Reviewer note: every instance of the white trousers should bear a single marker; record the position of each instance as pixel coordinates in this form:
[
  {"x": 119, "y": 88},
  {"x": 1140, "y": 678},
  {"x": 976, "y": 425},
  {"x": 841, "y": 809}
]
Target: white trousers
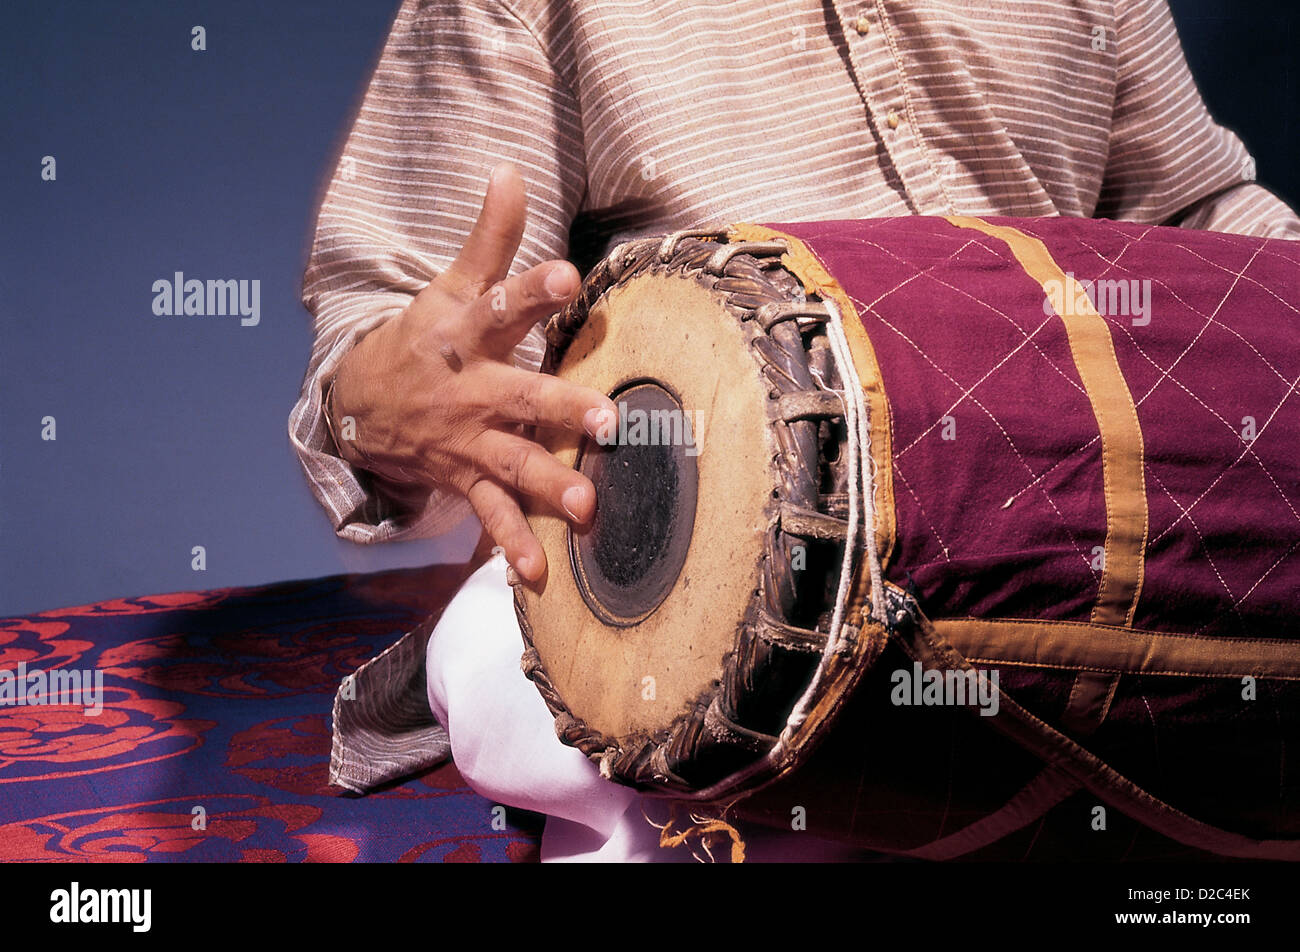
[{"x": 504, "y": 745}]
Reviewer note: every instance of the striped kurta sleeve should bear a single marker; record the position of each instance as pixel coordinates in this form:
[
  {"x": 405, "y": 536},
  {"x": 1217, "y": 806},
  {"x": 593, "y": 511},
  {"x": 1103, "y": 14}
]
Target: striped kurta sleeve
[
  {"x": 459, "y": 87},
  {"x": 1169, "y": 161}
]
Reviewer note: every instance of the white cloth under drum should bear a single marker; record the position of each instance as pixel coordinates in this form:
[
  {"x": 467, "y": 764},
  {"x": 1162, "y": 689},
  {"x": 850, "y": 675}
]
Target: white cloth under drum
[{"x": 504, "y": 745}]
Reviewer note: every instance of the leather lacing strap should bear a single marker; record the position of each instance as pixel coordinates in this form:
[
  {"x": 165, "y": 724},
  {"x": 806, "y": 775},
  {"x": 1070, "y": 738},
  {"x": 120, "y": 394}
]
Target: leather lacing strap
[
  {"x": 725, "y": 729},
  {"x": 812, "y": 524},
  {"x": 769, "y": 315},
  {"x": 807, "y": 405},
  {"x": 779, "y": 634}
]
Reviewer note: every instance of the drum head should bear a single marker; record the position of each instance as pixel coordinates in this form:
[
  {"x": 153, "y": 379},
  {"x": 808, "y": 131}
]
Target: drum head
[{"x": 636, "y": 613}]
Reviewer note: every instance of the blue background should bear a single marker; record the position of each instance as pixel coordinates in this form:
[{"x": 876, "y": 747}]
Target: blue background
[{"x": 172, "y": 431}]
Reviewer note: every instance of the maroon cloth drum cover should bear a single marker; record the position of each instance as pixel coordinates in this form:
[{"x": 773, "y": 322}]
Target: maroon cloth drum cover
[{"x": 1083, "y": 442}]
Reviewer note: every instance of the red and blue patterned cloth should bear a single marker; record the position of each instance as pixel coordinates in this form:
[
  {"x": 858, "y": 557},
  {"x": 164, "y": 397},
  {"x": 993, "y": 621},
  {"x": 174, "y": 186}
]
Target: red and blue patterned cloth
[{"x": 214, "y": 739}]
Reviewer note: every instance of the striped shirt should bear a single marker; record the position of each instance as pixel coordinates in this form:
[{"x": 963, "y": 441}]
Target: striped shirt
[{"x": 630, "y": 117}]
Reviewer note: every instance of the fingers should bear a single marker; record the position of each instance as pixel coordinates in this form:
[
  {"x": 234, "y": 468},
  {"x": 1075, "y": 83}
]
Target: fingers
[
  {"x": 511, "y": 462},
  {"x": 501, "y": 317},
  {"x": 505, "y": 523},
  {"x": 520, "y": 464},
  {"x": 518, "y": 396},
  {"x": 490, "y": 248}
]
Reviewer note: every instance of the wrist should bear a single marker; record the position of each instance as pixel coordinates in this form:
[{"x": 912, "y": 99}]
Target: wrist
[
  {"x": 331, "y": 416},
  {"x": 343, "y": 431}
]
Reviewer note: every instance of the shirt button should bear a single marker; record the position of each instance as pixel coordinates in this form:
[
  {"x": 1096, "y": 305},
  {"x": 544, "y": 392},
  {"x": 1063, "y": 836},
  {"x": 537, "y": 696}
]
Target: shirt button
[
  {"x": 893, "y": 119},
  {"x": 862, "y": 25}
]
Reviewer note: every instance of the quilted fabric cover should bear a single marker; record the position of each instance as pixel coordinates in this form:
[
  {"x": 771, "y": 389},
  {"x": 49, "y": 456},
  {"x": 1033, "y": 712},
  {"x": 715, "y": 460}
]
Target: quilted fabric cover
[{"x": 1002, "y": 517}]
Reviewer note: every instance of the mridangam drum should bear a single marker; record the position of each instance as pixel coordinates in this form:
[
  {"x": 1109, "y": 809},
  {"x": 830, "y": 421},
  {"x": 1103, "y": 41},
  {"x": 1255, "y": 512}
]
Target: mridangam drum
[{"x": 945, "y": 537}]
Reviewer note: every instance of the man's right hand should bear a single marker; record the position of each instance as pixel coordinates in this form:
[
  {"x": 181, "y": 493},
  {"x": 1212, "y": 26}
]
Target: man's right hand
[{"x": 437, "y": 403}]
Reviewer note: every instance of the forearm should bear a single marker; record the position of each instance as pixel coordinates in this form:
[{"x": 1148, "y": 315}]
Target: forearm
[{"x": 1243, "y": 209}]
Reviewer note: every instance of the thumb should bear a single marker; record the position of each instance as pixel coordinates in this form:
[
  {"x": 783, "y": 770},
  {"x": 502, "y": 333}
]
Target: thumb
[{"x": 486, "y": 256}]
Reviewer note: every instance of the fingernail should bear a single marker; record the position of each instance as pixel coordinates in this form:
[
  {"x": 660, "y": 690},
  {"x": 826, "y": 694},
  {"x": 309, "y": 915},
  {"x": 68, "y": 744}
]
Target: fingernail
[
  {"x": 558, "y": 283},
  {"x": 527, "y": 567},
  {"x": 600, "y": 424},
  {"x": 571, "y": 499}
]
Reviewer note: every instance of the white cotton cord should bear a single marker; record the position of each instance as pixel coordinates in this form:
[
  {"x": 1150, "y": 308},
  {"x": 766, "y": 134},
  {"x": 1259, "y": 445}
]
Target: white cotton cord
[
  {"x": 861, "y": 519},
  {"x": 862, "y": 451},
  {"x": 834, "y": 333}
]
